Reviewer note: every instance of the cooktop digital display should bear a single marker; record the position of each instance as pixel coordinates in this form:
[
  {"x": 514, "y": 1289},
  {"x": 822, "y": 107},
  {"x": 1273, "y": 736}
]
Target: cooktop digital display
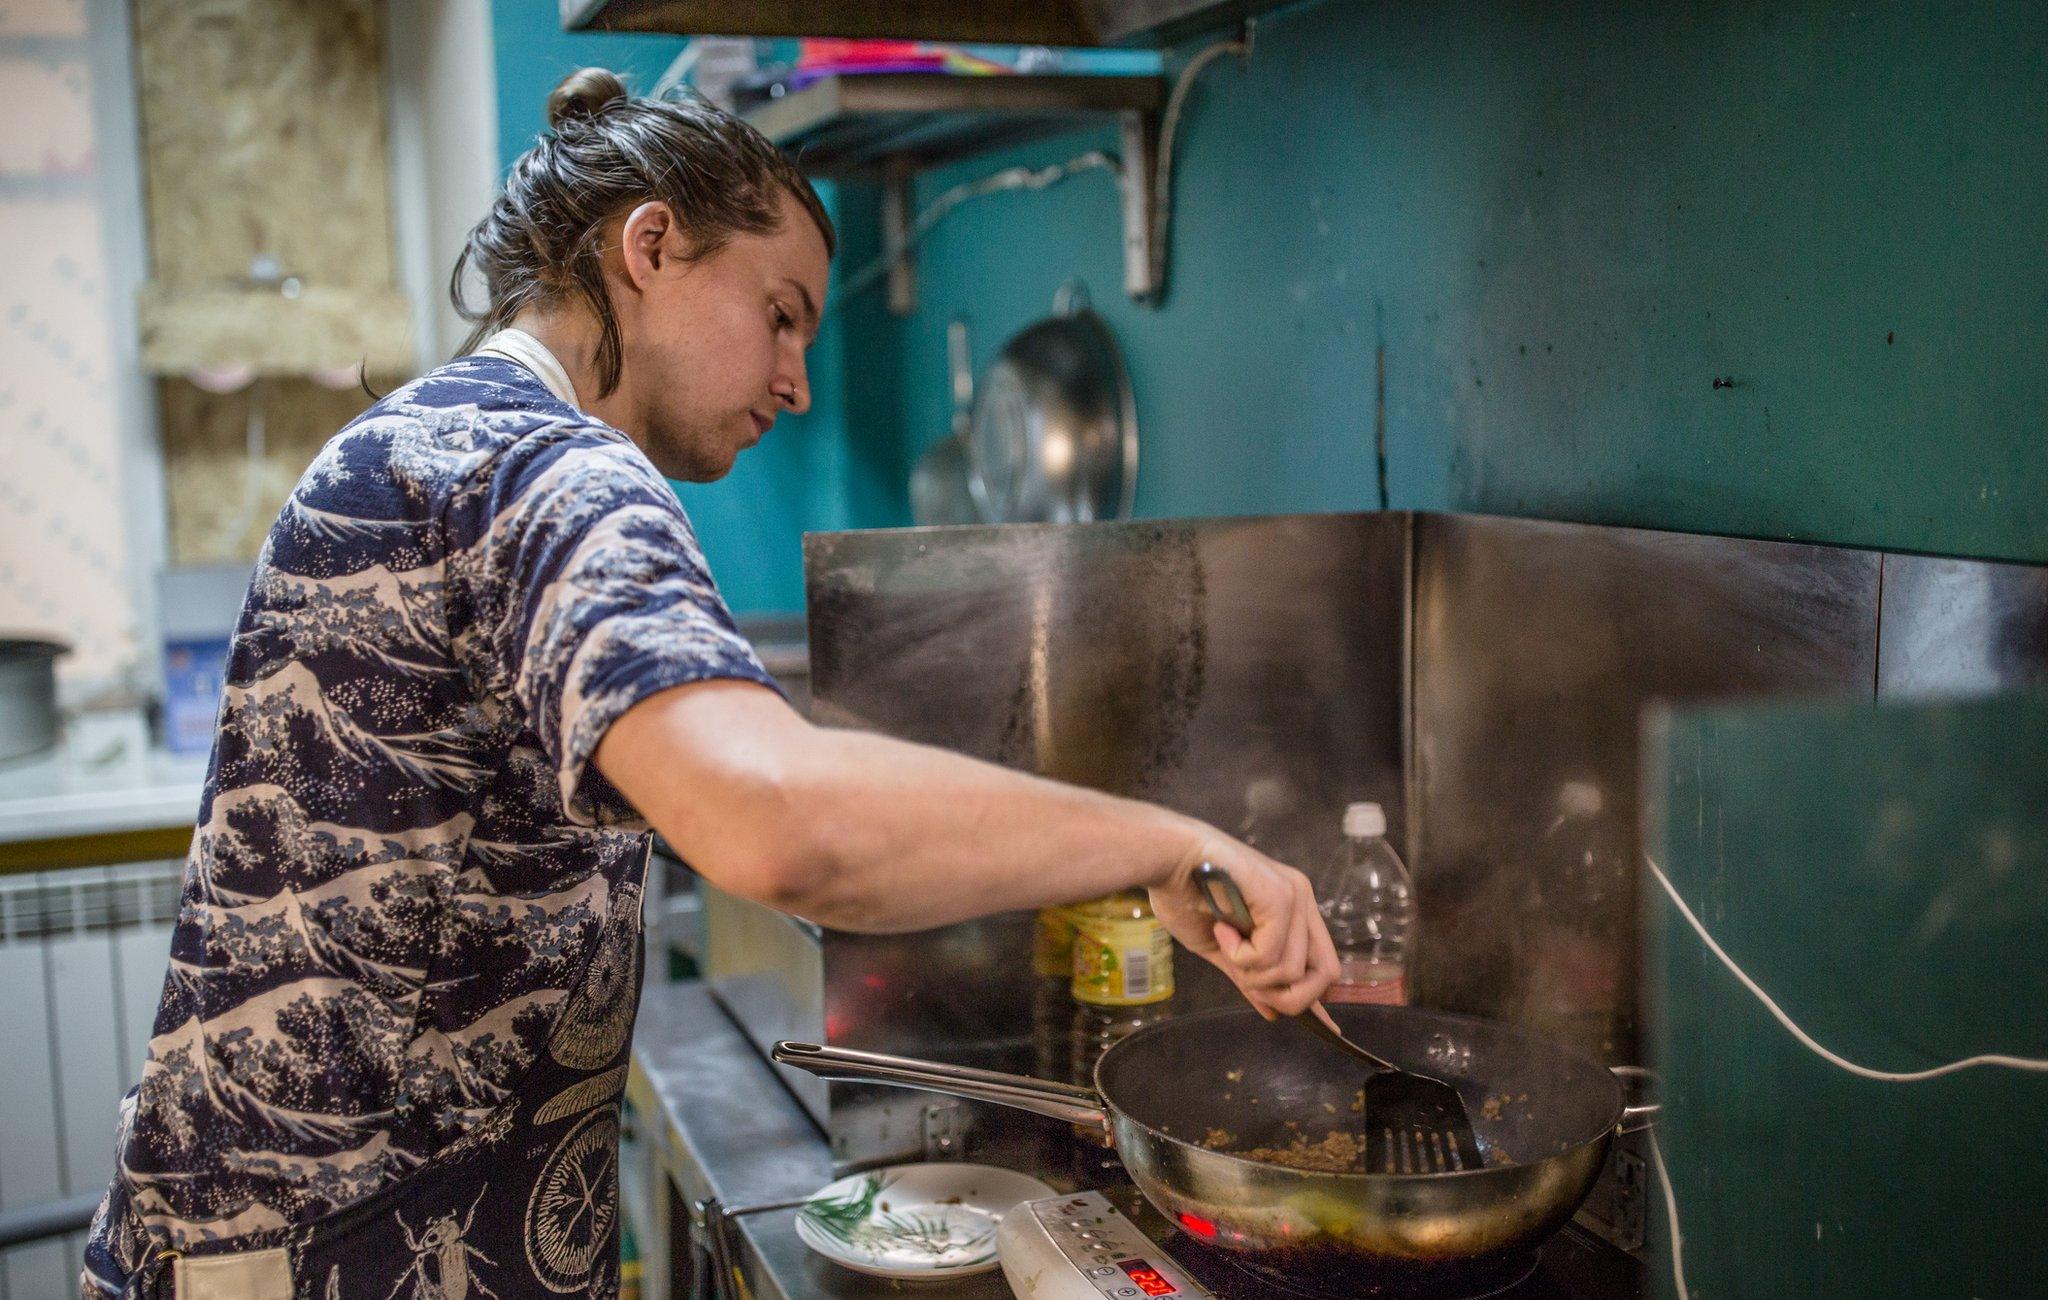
[{"x": 1147, "y": 1278}]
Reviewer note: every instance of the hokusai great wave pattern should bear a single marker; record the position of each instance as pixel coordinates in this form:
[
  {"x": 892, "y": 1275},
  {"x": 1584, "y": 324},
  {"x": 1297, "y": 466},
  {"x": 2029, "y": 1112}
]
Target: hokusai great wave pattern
[{"x": 403, "y": 861}]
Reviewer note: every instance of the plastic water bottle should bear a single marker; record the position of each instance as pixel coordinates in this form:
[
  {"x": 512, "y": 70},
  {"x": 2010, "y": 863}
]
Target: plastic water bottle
[{"x": 1369, "y": 905}]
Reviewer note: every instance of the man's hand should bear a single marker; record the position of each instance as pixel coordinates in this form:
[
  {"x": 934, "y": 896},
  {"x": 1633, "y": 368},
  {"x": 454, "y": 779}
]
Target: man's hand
[{"x": 1289, "y": 959}]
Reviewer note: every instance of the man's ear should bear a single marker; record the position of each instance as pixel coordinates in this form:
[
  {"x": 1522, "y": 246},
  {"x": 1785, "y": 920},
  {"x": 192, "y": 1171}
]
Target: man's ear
[{"x": 644, "y": 242}]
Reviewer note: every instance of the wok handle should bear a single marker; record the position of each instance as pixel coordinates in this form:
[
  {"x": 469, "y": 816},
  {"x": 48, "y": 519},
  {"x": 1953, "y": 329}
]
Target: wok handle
[
  {"x": 1637, "y": 1116},
  {"x": 1226, "y": 904},
  {"x": 1081, "y": 1106}
]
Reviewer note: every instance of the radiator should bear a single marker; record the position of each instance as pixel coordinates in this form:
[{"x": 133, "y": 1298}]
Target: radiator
[{"x": 82, "y": 956}]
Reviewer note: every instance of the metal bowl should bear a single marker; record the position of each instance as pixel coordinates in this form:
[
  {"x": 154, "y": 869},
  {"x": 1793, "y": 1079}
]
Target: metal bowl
[{"x": 1054, "y": 435}]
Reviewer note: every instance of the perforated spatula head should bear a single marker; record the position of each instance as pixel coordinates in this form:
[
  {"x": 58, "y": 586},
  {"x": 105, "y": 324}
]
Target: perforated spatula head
[{"x": 1415, "y": 1123}]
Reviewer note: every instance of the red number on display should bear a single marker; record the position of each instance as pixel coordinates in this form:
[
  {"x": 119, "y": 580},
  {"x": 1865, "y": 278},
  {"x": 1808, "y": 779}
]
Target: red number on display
[{"x": 1147, "y": 1278}]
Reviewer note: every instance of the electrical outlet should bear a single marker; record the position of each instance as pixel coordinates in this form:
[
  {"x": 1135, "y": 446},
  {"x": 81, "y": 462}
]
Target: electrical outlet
[{"x": 1617, "y": 1210}]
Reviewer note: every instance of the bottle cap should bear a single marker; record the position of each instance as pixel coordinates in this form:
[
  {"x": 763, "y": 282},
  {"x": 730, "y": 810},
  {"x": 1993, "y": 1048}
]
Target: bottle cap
[{"x": 1362, "y": 820}]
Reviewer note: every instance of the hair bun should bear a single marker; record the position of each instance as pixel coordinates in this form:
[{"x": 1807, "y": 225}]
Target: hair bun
[{"x": 584, "y": 93}]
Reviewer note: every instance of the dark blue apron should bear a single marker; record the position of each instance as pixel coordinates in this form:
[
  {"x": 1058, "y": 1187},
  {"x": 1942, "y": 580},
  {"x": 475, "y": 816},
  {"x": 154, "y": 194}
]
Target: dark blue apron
[{"x": 523, "y": 1205}]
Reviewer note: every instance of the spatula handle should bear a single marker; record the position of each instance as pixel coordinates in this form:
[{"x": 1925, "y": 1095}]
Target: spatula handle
[
  {"x": 1225, "y": 899},
  {"x": 1226, "y": 903}
]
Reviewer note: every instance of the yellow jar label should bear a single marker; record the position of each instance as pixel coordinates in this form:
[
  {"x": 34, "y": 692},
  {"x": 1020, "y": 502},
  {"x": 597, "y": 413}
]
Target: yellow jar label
[
  {"x": 1121, "y": 961},
  {"x": 1052, "y": 943}
]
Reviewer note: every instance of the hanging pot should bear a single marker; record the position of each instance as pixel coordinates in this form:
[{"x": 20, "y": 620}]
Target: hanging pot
[
  {"x": 1054, "y": 435},
  {"x": 28, "y": 695}
]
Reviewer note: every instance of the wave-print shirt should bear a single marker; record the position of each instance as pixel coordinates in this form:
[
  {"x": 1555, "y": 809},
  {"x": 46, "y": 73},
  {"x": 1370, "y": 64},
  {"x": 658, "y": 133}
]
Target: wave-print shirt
[{"x": 404, "y": 853}]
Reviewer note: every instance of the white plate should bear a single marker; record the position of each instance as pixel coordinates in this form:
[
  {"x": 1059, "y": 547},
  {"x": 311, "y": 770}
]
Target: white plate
[{"x": 915, "y": 1222}]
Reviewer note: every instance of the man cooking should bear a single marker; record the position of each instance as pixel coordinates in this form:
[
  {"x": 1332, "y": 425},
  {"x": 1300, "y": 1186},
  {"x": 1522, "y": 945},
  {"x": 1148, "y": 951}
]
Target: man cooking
[{"x": 481, "y": 656}]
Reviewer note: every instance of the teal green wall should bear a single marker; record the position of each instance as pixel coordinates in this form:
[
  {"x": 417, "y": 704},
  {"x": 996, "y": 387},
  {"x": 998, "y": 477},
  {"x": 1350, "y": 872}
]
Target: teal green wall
[
  {"x": 1896, "y": 913},
  {"x": 1562, "y": 222},
  {"x": 532, "y": 53},
  {"x": 810, "y": 473},
  {"x": 1565, "y": 222}
]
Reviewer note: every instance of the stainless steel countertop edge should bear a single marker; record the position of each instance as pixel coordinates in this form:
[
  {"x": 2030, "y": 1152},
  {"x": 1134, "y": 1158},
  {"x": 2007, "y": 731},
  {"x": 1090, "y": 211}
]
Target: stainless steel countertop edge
[{"x": 729, "y": 1129}]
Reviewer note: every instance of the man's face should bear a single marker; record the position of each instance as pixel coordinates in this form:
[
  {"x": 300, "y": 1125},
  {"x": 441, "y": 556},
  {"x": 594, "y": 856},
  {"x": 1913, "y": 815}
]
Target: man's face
[{"x": 714, "y": 348}]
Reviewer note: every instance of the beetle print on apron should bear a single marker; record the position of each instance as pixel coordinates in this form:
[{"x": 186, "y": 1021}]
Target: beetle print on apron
[{"x": 526, "y": 1205}]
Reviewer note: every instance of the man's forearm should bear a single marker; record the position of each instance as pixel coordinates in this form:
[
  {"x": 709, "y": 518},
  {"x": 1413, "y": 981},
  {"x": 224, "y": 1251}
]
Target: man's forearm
[
  {"x": 861, "y": 832},
  {"x": 864, "y": 832},
  {"x": 901, "y": 836}
]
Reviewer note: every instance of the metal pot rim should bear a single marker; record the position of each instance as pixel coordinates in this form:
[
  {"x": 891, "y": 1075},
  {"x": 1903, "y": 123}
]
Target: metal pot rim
[
  {"x": 1614, "y": 1124},
  {"x": 31, "y": 647}
]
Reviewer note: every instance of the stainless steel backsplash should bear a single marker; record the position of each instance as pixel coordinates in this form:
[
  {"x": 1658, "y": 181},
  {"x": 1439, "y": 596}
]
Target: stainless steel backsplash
[{"x": 1483, "y": 678}]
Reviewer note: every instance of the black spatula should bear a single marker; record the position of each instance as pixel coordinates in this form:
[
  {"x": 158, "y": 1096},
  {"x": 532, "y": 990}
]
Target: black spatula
[{"x": 1415, "y": 1123}]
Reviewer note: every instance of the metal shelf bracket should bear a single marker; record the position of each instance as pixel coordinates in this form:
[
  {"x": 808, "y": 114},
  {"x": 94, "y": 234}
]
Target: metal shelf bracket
[
  {"x": 1144, "y": 261},
  {"x": 1137, "y": 190},
  {"x": 897, "y": 216}
]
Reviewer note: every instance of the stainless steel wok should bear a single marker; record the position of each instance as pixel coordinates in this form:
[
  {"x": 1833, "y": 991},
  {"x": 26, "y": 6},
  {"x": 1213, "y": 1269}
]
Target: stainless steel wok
[{"x": 1544, "y": 1116}]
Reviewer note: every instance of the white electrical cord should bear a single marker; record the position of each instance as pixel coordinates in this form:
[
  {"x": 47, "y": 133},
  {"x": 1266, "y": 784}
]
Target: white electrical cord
[
  {"x": 1806, "y": 1040},
  {"x": 1010, "y": 178},
  {"x": 1670, "y": 1216},
  {"x": 1169, "y": 131}
]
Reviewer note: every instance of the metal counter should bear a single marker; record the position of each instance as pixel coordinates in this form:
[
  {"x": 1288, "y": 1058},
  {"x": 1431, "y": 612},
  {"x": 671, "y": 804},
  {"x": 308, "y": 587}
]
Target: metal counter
[
  {"x": 102, "y": 795},
  {"x": 731, "y": 1149},
  {"x": 728, "y": 1154}
]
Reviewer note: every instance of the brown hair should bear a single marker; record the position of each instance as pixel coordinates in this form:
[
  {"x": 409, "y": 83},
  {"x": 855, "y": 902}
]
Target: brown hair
[{"x": 605, "y": 152}]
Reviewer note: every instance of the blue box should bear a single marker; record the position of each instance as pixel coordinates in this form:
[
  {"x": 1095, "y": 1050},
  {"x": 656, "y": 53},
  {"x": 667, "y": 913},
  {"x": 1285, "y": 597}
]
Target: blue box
[
  {"x": 197, "y": 611},
  {"x": 194, "y": 672}
]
